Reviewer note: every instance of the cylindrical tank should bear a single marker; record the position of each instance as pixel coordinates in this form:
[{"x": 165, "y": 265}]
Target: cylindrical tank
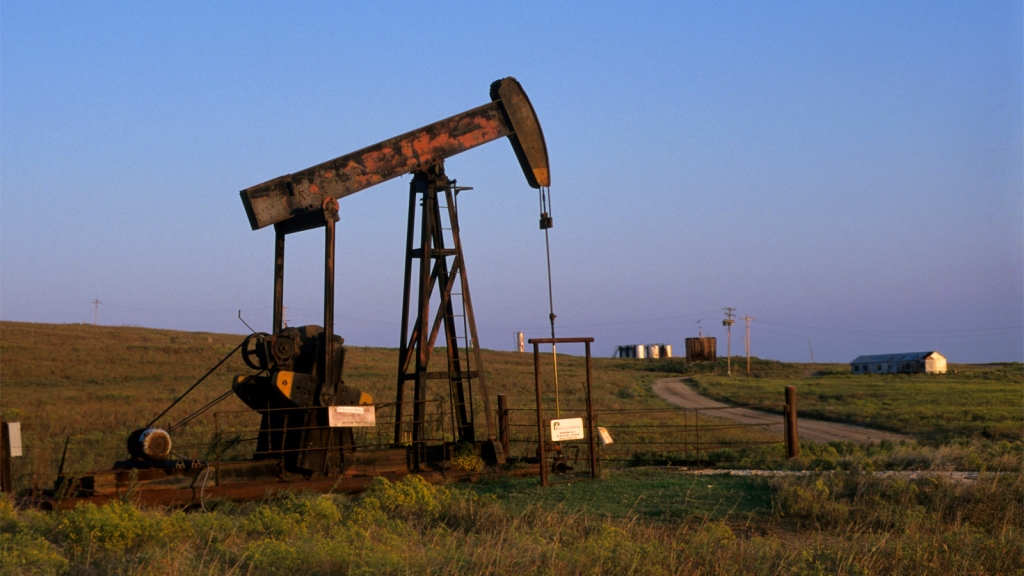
[
  {"x": 666, "y": 350},
  {"x": 654, "y": 351},
  {"x": 640, "y": 351},
  {"x": 520, "y": 347}
]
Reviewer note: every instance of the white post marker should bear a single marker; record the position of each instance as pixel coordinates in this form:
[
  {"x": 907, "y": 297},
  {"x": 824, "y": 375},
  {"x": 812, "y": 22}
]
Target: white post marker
[
  {"x": 14, "y": 437},
  {"x": 567, "y": 429},
  {"x": 350, "y": 416}
]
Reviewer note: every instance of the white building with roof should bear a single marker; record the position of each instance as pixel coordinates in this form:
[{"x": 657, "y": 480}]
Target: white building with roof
[{"x": 906, "y": 363}]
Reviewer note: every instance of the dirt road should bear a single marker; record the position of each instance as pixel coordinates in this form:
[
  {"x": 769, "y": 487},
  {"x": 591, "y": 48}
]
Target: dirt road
[{"x": 678, "y": 393}]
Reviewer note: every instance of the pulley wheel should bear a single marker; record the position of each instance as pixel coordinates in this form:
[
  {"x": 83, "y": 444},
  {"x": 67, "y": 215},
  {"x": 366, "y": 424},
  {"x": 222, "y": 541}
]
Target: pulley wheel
[{"x": 251, "y": 348}]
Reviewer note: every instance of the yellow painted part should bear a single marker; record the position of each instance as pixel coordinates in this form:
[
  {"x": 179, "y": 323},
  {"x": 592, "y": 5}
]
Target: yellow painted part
[
  {"x": 365, "y": 399},
  {"x": 283, "y": 382},
  {"x": 542, "y": 176}
]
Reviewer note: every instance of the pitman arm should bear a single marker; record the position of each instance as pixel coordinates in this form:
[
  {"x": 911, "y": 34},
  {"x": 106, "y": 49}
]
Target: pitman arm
[{"x": 302, "y": 193}]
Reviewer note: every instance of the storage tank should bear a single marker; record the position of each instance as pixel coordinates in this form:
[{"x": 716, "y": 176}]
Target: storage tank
[
  {"x": 700, "y": 349},
  {"x": 641, "y": 351},
  {"x": 654, "y": 351},
  {"x": 666, "y": 350}
]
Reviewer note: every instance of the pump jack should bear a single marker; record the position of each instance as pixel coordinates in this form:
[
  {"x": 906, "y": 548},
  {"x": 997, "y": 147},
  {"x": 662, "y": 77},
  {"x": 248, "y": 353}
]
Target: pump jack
[
  {"x": 299, "y": 369},
  {"x": 296, "y": 202}
]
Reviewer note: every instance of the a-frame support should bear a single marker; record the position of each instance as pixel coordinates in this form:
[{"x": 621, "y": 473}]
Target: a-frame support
[{"x": 464, "y": 364}]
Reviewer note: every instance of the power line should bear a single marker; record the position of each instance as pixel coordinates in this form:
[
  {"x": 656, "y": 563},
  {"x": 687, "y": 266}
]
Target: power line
[
  {"x": 898, "y": 340},
  {"x": 746, "y": 340},
  {"x": 1019, "y": 327},
  {"x": 728, "y": 322}
]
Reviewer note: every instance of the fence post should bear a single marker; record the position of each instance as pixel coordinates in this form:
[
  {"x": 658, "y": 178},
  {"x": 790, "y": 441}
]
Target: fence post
[
  {"x": 591, "y": 428},
  {"x": 216, "y": 435},
  {"x": 503, "y": 432},
  {"x": 792, "y": 440},
  {"x": 541, "y": 452},
  {"x": 6, "y": 479}
]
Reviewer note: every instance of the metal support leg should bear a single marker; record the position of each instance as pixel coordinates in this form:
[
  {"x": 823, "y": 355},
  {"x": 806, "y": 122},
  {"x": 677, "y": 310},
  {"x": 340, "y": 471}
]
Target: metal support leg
[{"x": 278, "y": 281}]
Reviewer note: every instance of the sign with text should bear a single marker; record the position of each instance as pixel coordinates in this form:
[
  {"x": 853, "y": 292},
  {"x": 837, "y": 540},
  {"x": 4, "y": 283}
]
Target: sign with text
[
  {"x": 347, "y": 416},
  {"x": 566, "y": 429}
]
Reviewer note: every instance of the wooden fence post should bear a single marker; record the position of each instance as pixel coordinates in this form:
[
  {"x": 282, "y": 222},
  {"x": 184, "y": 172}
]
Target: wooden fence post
[
  {"x": 6, "y": 479},
  {"x": 792, "y": 440},
  {"x": 503, "y": 430}
]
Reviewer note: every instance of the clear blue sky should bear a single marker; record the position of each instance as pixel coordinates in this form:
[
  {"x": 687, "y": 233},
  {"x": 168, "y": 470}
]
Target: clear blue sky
[{"x": 849, "y": 173}]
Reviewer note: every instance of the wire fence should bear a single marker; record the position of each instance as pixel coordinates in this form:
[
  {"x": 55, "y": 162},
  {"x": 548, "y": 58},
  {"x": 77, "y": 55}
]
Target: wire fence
[
  {"x": 671, "y": 436},
  {"x": 268, "y": 433}
]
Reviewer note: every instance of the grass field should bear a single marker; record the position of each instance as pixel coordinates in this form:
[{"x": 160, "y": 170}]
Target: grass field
[
  {"x": 975, "y": 401},
  {"x": 96, "y": 384},
  {"x": 832, "y": 524}
]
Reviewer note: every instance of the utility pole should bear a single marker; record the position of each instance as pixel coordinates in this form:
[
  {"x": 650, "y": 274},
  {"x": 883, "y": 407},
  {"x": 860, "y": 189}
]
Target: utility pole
[
  {"x": 96, "y": 311},
  {"x": 746, "y": 340},
  {"x": 728, "y": 322}
]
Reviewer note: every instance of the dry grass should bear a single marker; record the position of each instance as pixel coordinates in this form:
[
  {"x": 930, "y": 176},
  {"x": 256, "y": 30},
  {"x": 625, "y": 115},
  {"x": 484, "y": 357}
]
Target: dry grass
[
  {"x": 837, "y": 524},
  {"x": 95, "y": 384}
]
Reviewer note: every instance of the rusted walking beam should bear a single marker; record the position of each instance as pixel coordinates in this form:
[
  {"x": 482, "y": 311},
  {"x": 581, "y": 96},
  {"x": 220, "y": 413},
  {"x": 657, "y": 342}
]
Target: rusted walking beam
[{"x": 301, "y": 195}]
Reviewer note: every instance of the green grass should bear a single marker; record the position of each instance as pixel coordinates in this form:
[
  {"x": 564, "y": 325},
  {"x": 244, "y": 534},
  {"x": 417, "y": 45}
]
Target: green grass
[
  {"x": 648, "y": 493},
  {"x": 976, "y": 402},
  {"x": 828, "y": 524},
  {"x": 96, "y": 384}
]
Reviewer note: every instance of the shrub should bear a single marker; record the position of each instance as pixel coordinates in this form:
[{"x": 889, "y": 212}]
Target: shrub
[{"x": 113, "y": 528}]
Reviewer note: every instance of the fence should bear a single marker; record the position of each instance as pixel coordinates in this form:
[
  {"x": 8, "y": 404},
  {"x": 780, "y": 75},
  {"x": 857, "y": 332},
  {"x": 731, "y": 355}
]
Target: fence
[
  {"x": 669, "y": 436},
  {"x": 246, "y": 434}
]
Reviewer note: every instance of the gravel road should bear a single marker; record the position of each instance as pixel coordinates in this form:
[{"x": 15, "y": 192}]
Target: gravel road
[{"x": 678, "y": 393}]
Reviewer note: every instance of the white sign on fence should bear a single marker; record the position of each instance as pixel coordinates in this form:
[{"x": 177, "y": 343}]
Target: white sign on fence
[
  {"x": 14, "y": 437},
  {"x": 566, "y": 429},
  {"x": 603, "y": 437},
  {"x": 346, "y": 416}
]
